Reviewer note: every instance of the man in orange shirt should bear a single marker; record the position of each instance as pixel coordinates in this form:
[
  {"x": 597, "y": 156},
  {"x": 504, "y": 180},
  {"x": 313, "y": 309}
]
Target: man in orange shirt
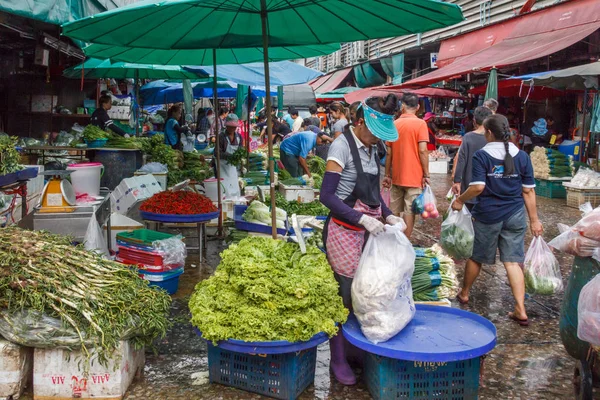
[{"x": 407, "y": 163}]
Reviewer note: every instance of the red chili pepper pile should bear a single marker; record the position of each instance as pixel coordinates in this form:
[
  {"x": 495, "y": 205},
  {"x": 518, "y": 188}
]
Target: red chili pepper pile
[{"x": 180, "y": 202}]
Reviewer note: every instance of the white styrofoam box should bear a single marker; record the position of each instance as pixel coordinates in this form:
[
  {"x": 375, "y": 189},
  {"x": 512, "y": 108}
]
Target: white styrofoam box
[
  {"x": 119, "y": 224},
  {"x": 302, "y": 194},
  {"x": 15, "y": 369},
  {"x": 251, "y": 191},
  {"x": 161, "y": 178},
  {"x": 132, "y": 190},
  {"x": 119, "y": 112},
  {"x": 57, "y": 374},
  {"x": 438, "y": 167},
  {"x": 35, "y": 185}
]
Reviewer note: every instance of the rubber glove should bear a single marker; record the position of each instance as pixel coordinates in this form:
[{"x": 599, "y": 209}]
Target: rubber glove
[
  {"x": 393, "y": 220},
  {"x": 375, "y": 227}
]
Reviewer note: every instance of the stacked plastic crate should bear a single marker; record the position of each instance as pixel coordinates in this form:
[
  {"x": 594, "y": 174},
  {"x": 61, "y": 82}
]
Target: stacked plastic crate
[{"x": 144, "y": 248}]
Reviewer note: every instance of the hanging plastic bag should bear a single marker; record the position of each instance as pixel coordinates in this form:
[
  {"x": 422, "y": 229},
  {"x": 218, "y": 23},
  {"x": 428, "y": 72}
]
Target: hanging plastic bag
[
  {"x": 94, "y": 238},
  {"x": 450, "y": 195},
  {"x": 588, "y": 312},
  {"x": 571, "y": 242},
  {"x": 172, "y": 249},
  {"x": 542, "y": 272},
  {"x": 457, "y": 235},
  {"x": 381, "y": 290},
  {"x": 386, "y": 196},
  {"x": 425, "y": 205},
  {"x": 589, "y": 225}
]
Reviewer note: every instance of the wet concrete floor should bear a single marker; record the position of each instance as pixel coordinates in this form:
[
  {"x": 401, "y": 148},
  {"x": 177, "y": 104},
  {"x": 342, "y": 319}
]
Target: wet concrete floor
[{"x": 527, "y": 363}]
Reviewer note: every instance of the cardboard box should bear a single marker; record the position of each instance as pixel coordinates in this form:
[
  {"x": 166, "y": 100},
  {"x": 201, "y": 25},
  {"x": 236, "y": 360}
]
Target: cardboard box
[
  {"x": 57, "y": 374},
  {"x": 15, "y": 369},
  {"x": 438, "y": 167}
]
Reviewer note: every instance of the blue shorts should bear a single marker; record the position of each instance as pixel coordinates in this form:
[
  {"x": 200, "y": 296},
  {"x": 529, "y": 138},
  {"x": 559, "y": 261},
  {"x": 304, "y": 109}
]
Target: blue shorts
[{"x": 507, "y": 236}]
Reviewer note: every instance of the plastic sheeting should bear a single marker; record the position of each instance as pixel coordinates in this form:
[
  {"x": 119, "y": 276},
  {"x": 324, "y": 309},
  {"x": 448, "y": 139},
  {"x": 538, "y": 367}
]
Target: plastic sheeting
[{"x": 367, "y": 76}]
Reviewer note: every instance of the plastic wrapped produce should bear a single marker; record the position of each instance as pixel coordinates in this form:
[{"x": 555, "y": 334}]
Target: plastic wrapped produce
[
  {"x": 457, "y": 235},
  {"x": 588, "y": 312},
  {"x": 425, "y": 204},
  {"x": 542, "y": 272},
  {"x": 571, "y": 242},
  {"x": 381, "y": 290}
]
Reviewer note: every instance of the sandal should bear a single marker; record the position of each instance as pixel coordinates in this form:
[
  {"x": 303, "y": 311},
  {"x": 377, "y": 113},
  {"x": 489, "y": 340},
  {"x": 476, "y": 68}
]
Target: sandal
[{"x": 522, "y": 322}]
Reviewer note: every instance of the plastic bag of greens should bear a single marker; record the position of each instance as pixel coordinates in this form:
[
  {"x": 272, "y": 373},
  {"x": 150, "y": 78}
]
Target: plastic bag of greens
[
  {"x": 542, "y": 272},
  {"x": 588, "y": 312},
  {"x": 425, "y": 204},
  {"x": 381, "y": 290},
  {"x": 457, "y": 235}
]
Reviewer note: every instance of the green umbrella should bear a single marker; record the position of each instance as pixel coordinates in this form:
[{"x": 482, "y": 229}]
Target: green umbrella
[
  {"x": 242, "y": 24},
  {"x": 205, "y": 56},
  {"x": 94, "y": 68},
  {"x": 492, "y": 87}
]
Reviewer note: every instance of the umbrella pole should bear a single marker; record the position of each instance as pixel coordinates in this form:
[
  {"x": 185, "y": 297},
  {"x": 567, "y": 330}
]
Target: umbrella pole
[
  {"x": 217, "y": 148},
  {"x": 583, "y": 132},
  {"x": 265, "y": 34},
  {"x": 137, "y": 100},
  {"x": 248, "y": 130}
]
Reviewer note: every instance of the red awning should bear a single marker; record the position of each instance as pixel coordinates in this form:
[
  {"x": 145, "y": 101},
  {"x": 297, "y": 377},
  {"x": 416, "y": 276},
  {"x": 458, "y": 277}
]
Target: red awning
[
  {"x": 331, "y": 81},
  {"x": 462, "y": 46},
  {"x": 516, "y": 88},
  {"x": 382, "y": 91},
  {"x": 535, "y": 35}
]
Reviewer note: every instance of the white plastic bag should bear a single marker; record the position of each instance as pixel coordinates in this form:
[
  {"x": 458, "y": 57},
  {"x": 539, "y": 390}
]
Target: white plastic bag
[
  {"x": 457, "y": 235},
  {"x": 571, "y": 242},
  {"x": 588, "y": 312},
  {"x": 94, "y": 238},
  {"x": 381, "y": 290},
  {"x": 542, "y": 272}
]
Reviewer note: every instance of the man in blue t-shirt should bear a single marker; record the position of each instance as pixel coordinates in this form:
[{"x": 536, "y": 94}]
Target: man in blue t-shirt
[{"x": 295, "y": 148}]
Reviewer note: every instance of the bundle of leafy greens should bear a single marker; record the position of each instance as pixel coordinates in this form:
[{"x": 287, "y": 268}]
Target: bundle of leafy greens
[
  {"x": 259, "y": 213},
  {"x": 457, "y": 242},
  {"x": 9, "y": 156},
  {"x": 267, "y": 290},
  {"x": 314, "y": 208},
  {"x": 92, "y": 132},
  {"x": 435, "y": 275},
  {"x": 316, "y": 165}
]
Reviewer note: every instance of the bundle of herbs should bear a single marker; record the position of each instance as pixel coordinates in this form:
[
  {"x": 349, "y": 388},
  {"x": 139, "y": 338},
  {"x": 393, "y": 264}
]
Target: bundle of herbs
[
  {"x": 9, "y": 156},
  {"x": 99, "y": 302}
]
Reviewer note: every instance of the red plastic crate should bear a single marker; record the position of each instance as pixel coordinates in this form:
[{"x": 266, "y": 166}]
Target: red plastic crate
[
  {"x": 140, "y": 257},
  {"x": 151, "y": 268}
]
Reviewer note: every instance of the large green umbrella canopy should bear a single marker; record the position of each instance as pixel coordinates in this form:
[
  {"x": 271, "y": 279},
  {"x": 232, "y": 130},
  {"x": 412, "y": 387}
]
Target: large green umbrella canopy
[
  {"x": 205, "y": 56},
  {"x": 492, "y": 87},
  {"x": 269, "y": 24},
  {"x": 237, "y": 24},
  {"x": 94, "y": 68}
]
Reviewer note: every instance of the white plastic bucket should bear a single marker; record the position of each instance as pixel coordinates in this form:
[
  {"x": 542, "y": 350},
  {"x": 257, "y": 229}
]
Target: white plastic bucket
[
  {"x": 211, "y": 191},
  {"x": 86, "y": 177}
]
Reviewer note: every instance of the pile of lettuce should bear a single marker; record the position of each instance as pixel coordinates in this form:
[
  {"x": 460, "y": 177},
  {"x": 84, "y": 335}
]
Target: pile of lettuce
[{"x": 267, "y": 290}]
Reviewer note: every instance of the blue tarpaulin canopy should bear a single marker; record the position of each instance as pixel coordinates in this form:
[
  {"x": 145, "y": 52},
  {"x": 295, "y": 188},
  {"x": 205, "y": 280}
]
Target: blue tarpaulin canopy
[
  {"x": 162, "y": 92},
  {"x": 282, "y": 73}
]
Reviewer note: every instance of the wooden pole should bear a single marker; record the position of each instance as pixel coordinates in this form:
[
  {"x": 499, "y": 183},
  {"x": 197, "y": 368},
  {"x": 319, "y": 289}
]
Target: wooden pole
[
  {"x": 248, "y": 129},
  {"x": 217, "y": 149},
  {"x": 265, "y": 33}
]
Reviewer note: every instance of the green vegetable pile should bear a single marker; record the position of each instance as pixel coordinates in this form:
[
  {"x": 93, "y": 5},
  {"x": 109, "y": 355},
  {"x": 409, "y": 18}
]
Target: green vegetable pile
[
  {"x": 161, "y": 152},
  {"x": 435, "y": 275},
  {"x": 9, "y": 156},
  {"x": 92, "y": 132},
  {"x": 544, "y": 285},
  {"x": 314, "y": 208},
  {"x": 316, "y": 165},
  {"x": 238, "y": 157},
  {"x": 267, "y": 290},
  {"x": 121, "y": 142},
  {"x": 259, "y": 213},
  {"x": 194, "y": 168},
  {"x": 99, "y": 302},
  {"x": 457, "y": 242}
]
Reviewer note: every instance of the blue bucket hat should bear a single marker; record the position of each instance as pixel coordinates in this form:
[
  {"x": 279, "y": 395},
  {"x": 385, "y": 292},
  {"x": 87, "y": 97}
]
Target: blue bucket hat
[
  {"x": 540, "y": 127},
  {"x": 381, "y": 125}
]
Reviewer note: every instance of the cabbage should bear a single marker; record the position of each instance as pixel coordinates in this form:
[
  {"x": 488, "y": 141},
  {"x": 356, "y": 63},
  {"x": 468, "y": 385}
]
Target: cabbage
[
  {"x": 259, "y": 213},
  {"x": 266, "y": 290}
]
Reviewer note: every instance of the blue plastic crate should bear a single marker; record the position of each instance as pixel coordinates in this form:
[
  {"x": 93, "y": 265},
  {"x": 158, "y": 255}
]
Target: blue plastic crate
[
  {"x": 169, "y": 282},
  {"x": 388, "y": 378},
  {"x": 280, "y": 376},
  {"x": 242, "y": 225}
]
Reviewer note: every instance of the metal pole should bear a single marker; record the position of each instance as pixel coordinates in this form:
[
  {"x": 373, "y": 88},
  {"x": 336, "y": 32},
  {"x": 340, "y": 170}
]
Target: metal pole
[
  {"x": 217, "y": 150},
  {"x": 137, "y": 99},
  {"x": 265, "y": 33},
  {"x": 248, "y": 129},
  {"x": 583, "y": 133}
]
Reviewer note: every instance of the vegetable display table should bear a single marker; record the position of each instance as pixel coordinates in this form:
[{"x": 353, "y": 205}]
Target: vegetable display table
[
  {"x": 436, "y": 355},
  {"x": 278, "y": 369},
  {"x": 199, "y": 219},
  {"x": 16, "y": 183}
]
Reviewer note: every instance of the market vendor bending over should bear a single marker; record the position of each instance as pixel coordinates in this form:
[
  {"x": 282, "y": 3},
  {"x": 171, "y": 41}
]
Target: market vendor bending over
[
  {"x": 101, "y": 119},
  {"x": 295, "y": 148},
  {"x": 351, "y": 190}
]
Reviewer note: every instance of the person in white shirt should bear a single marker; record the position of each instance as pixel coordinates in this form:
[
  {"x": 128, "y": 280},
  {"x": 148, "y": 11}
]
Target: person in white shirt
[{"x": 298, "y": 121}]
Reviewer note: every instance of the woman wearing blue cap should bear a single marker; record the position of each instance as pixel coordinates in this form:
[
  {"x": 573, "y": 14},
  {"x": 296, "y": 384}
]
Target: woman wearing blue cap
[{"x": 351, "y": 191}]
